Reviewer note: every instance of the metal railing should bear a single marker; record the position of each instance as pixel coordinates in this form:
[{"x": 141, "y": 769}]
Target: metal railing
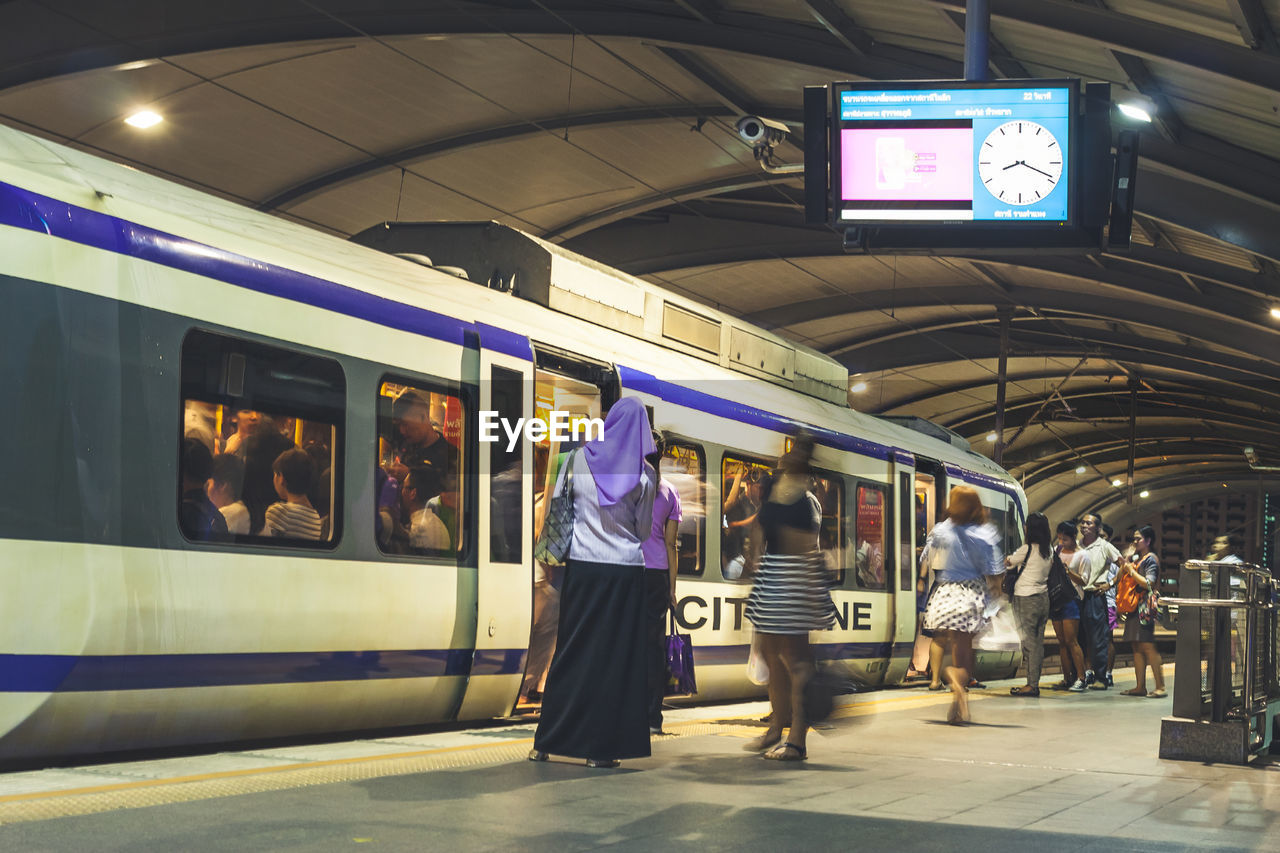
[{"x": 1225, "y": 664}]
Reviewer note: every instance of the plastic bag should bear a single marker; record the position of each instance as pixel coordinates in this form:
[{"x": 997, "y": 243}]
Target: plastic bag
[
  {"x": 1000, "y": 633},
  {"x": 757, "y": 669}
]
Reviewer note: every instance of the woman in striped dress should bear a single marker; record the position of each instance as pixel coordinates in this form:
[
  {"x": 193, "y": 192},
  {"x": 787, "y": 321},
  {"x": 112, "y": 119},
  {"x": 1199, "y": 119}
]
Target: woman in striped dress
[
  {"x": 966, "y": 559},
  {"x": 790, "y": 598}
]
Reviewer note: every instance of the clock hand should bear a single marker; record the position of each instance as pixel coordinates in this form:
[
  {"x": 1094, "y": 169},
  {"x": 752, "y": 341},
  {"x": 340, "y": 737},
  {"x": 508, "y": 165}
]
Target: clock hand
[
  {"x": 1011, "y": 165},
  {"x": 1034, "y": 169}
]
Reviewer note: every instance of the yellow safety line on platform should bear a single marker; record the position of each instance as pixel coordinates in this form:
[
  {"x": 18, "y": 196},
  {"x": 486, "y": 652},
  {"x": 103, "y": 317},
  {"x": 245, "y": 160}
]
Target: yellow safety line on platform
[{"x": 43, "y": 805}]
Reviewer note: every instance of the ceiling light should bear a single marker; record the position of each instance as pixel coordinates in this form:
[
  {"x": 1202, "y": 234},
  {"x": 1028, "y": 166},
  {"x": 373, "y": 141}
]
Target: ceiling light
[
  {"x": 1134, "y": 112},
  {"x": 1275, "y": 312},
  {"x": 143, "y": 119},
  {"x": 1144, "y": 493},
  {"x": 1080, "y": 469},
  {"x": 1116, "y": 483},
  {"x": 858, "y": 387},
  {"x": 991, "y": 438}
]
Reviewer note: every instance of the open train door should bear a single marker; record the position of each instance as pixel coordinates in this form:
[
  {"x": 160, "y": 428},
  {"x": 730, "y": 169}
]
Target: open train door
[
  {"x": 501, "y": 368},
  {"x": 902, "y": 472}
]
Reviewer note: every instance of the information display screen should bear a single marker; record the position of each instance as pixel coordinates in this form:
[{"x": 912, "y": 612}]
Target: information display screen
[{"x": 954, "y": 152}]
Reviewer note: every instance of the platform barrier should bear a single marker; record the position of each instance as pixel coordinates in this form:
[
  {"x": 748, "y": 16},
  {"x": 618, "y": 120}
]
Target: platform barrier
[{"x": 1226, "y": 696}]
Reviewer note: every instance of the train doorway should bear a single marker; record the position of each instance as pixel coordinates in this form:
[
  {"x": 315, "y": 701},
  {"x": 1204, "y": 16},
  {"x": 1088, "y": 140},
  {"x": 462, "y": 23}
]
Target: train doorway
[{"x": 584, "y": 389}]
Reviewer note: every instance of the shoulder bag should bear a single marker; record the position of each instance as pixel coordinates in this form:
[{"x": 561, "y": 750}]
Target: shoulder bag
[
  {"x": 557, "y": 528},
  {"x": 1011, "y": 576},
  {"x": 1129, "y": 593},
  {"x": 1061, "y": 591}
]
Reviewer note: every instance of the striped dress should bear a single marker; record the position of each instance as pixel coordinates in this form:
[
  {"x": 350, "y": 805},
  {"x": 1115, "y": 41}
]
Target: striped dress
[{"x": 792, "y": 592}]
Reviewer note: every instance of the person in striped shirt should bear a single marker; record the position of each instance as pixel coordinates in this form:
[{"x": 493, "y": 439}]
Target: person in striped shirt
[{"x": 293, "y": 517}]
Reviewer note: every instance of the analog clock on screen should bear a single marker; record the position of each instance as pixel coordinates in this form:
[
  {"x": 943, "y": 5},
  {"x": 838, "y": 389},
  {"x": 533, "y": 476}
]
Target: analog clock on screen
[{"x": 1020, "y": 162}]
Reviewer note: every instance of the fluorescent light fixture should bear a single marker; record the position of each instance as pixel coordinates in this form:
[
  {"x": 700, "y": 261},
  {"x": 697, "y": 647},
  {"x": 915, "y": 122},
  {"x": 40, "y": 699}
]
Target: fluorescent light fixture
[
  {"x": 1135, "y": 112},
  {"x": 858, "y": 387},
  {"x": 991, "y": 438},
  {"x": 1144, "y": 494},
  {"x": 1116, "y": 483},
  {"x": 143, "y": 119},
  {"x": 1275, "y": 312},
  {"x": 1080, "y": 469}
]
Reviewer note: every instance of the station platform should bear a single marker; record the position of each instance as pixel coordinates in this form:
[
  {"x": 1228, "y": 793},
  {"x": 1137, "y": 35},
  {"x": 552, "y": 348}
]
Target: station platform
[{"x": 1060, "y": 772}]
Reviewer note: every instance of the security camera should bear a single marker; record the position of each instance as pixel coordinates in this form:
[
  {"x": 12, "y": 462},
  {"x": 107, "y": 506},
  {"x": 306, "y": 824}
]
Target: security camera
[{"x": 761, "y": 132}]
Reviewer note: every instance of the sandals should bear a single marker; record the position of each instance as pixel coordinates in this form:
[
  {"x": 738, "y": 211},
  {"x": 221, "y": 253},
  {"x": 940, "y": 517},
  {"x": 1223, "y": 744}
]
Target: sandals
[
  {"x": 1137, "y": 691},
  {"x": 1028, "y": 690},
  {"x": 1158, "y": 693},
  {"x": 787, "y": 751},
  {"x": 536, "y": 754},
  {"x": 760, "y": 744},
  {"x": 937, "y": 687}
]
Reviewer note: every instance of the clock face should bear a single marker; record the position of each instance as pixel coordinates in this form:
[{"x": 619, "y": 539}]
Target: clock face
[{"x": 1020, "y": 162}]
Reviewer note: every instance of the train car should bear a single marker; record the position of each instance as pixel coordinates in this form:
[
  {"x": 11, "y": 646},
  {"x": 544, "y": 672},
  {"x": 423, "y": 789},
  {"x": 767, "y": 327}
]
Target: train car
[{"x": 164, "y": 348}]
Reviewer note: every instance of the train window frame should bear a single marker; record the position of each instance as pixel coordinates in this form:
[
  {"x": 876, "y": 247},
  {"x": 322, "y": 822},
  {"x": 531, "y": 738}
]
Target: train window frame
[
  {"x": 839, "y": 573},
  {"x": 886, "y": 522},
  {"x": 462, "y": 553},
  {"x": 700, "y": 517},
  {"x": 214, "y": 370},
  {"x": 506, "y": 388},
  {"x": 726, "y": 456}
]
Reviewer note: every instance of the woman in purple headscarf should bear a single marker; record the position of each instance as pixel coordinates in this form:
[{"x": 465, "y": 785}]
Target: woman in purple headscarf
[{"x": 595, "y": 702}]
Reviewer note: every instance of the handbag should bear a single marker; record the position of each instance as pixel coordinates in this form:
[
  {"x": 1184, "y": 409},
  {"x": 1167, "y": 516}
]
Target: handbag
[
  {"x": 1011, "y": 577},
  {"x": 680, "y": 680},
  {"x": 1061, "y": 591},
  {"x": 557, "y": 528},
  {"x": 1150, "y": 610}
]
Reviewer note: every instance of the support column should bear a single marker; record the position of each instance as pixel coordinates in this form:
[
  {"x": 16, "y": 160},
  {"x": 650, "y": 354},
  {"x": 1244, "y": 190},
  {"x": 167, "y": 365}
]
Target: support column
[
  {"x": 977, "y": 39},
  {"x": 1133, "y": 435},
  {"x": 1005, "y": 313}
]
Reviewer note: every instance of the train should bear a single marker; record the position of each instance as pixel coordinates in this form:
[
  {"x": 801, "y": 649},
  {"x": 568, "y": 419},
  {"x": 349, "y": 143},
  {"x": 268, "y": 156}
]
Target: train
[{"x": 150, "y": 330}]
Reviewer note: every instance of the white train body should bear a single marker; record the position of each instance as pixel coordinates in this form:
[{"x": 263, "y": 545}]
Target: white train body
[{"x": 118, "y": 632}]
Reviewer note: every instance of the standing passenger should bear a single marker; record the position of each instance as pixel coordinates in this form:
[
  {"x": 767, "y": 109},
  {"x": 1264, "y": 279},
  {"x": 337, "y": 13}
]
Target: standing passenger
[
  {"x": 790, "y": 598},
  {"x": 293, "y": 517},
  {"x": 1144, "y": 570},
  {"x": 963, "y": 550},
  {"x": 1066, "y": 619},
  {"x": 1031, "y": 598},
  {"x": 198, "y": 517},
  {"x": 660, "y": 581},
  {"x": 1098, "y": 556},
  {"x": 226, "y": 481},
  {"x": 594, "y": 707}
]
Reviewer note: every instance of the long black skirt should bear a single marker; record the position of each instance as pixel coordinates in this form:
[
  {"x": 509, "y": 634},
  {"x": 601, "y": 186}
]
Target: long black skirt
[{"x": 595, "y": 701}]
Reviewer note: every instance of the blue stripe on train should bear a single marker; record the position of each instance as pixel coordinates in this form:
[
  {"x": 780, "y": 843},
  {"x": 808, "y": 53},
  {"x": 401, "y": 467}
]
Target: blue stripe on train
[{"x": 88, "y": 673}]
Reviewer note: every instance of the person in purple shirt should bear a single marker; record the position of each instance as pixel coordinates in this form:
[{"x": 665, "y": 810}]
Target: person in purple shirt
[{"x": 660, "y": 565}]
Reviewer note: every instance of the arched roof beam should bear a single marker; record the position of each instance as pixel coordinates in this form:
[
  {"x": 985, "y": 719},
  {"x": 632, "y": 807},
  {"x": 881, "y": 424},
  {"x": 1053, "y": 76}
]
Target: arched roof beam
[
  {"x": 1109, "y": 405},
  {"x": 1049, "y": 452},
  {"x": 445, "y": 145},
  {"x": 1178, "y": 454},
  {"x": 1114, "y": 495},
  {"x": 1102, "y": 505}
]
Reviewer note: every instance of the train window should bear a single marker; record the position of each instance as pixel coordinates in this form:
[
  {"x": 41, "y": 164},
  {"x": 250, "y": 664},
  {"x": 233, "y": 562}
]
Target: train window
[
  {"x": 741, "y": 485},
  {"x": 684, "y": 466},
  {"x": 1000, "y": 520},
  {"x": 829, "y": 489},
  {"x": 506, "y": 471},
  {"x": 557, "y": 392},
  {"x": 418, "y": 479},
  {"x": 261, "y": 441},
  {"x": 872, "y": 536}
]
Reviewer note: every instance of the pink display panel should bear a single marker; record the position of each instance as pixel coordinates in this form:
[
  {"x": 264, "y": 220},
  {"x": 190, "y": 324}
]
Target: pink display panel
[{"x": 907, "y": 164}]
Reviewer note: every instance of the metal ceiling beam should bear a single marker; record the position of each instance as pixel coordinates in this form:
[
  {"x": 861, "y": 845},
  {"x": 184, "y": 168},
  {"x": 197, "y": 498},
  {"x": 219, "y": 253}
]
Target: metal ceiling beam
[
  {"x": 1251, "y": 20},
  {"x": 104, "y": 38},
  {"x": 448, "y": 144},
  {"x": 1102, "y": 406},
  {"x": 1192, "y": 455},
  {"x": 1178, "y": 480},
  {"x": 1048, "y": 341},
  {"x": 706, "y": 11},
  {"x": 729, "y": 93},
  {"x": 1165, "y": 117},
  {"x": 1071, "y": 445},
  {"x": 1140, "y": 36},
  {"x": 840, "y": 25}
]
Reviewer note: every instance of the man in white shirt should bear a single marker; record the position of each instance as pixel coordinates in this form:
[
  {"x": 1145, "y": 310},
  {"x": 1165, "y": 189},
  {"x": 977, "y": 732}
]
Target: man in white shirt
[{"x": 1094, "y": 626}]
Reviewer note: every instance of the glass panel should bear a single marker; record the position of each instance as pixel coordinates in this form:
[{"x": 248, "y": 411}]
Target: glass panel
[
  {"x": 506, "y": 470},
  {"x": 683, "y": 466},
  {"x": 741, "y": 484},
  {"x": 261, "y": 443},
  {"x": 872, "y": 537},
  {"x": 418, "y": 483}
]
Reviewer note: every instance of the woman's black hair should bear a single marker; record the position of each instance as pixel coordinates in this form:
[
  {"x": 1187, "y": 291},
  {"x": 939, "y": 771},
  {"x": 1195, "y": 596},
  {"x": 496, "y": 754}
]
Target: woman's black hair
[
  {"x": 1146, "y": 533},
  {"x": 1067, "y": 527},
  {"x": 1038, "y": 533}
]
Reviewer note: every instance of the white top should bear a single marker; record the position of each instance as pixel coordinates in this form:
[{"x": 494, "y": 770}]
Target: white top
[
  {"x": 237, "y": 516},
  {"x": 1100, "y": 554},
  {"x": 292, "y": 521},
  {"x": 427, "y": 530},
  {"x": 608, "y": 534},
  {"x": 1078, "y": 563},
  {"x": 1035, "y": 574}
]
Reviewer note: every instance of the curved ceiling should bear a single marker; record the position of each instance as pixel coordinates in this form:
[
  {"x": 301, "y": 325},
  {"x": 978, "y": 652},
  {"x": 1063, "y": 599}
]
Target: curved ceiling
[{"x": 608, "y": 127}]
